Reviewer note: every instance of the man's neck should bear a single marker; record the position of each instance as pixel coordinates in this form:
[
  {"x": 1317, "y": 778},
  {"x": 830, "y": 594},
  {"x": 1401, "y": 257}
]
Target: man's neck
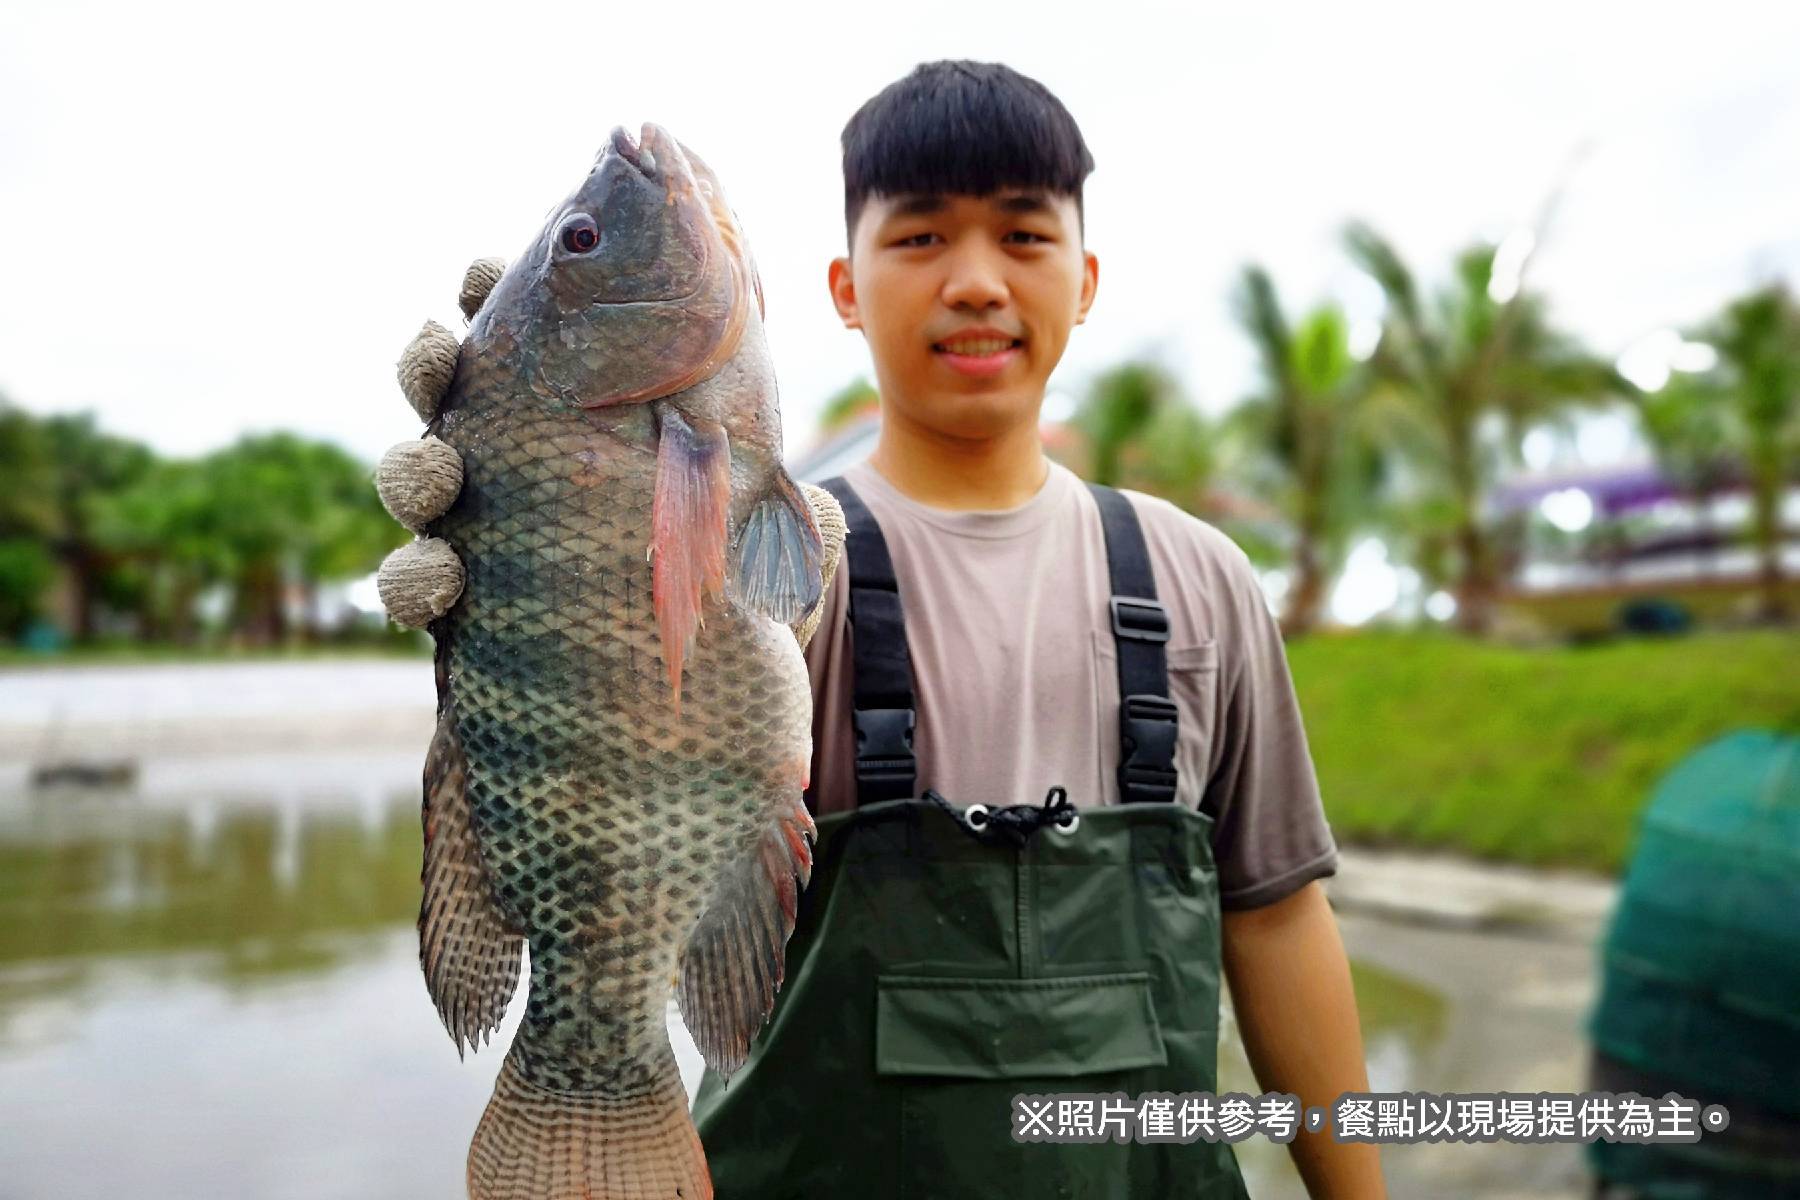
[{"x": 958, "y": 473}]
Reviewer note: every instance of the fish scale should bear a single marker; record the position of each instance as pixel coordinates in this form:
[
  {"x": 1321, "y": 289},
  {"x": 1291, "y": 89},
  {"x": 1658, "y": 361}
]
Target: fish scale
[{"x": 586, "y": 791}]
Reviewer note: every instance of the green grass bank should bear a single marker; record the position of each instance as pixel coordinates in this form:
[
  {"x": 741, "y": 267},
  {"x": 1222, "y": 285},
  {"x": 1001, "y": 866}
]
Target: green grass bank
[{"x": 1538, "y": 756}]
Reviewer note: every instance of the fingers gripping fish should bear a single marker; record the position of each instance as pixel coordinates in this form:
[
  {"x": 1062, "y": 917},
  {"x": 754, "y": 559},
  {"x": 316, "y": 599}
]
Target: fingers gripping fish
[{"x": 615, "y": 571}]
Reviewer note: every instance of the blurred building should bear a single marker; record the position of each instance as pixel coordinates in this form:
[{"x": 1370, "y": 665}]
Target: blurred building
[{"x": 1590, "y": 544}]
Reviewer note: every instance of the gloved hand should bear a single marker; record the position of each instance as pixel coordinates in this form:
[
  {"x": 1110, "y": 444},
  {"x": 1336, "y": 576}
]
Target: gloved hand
[{"x": 419, "y": 481}]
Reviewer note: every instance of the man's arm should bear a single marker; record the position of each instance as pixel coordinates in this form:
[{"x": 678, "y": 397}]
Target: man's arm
[{"x": 1290, "y": 989}]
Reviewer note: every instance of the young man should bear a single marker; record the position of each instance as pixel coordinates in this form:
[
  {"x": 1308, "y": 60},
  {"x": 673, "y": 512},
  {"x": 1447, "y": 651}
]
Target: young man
[{"x": 937, "y": 968}]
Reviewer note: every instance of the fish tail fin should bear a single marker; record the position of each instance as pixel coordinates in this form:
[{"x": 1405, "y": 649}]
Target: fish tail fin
[{"x": 537, "y": 1144}]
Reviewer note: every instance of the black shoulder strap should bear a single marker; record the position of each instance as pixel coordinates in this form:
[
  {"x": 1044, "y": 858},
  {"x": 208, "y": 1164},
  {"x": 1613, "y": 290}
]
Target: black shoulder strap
[
  {"x": 881, "y": 669},
  {"x": 1147, "y": 717}
]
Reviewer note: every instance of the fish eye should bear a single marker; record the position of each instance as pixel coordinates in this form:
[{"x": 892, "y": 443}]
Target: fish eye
[{"x": 578, "y": 234}]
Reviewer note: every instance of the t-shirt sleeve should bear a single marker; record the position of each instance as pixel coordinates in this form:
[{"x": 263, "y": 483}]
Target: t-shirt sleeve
[
  {"x": 1270, "y": 837},
  {"x": 832, "y": 777}
]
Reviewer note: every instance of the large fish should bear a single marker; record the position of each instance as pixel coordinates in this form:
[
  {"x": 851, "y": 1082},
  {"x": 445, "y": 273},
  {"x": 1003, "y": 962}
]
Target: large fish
[{"x": 624, "y": 717}]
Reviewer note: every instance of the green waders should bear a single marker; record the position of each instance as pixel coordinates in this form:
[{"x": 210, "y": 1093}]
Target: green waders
[{"x": 947, "y": 960}]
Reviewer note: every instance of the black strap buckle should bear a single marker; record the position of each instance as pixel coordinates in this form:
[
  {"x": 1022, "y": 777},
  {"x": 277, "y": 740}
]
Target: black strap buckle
[
  {"x": 1147, "y": 732},
  {"x": 884, "y": 752},
  {"x": 1138, "y": 619}
]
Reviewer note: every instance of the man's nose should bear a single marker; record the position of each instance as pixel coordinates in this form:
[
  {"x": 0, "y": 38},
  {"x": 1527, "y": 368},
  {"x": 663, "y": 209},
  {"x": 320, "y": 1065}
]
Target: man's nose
[{"x": 977, "y": 279}]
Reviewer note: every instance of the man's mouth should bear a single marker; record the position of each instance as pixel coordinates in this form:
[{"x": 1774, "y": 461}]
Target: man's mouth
[
  {"x": 977, "y": 346},
  {"x": 978, "y": 354}
]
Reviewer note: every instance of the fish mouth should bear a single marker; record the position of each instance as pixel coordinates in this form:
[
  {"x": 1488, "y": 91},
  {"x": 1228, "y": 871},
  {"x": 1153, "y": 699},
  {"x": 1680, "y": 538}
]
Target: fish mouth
[{"x": 639, "y": 153}]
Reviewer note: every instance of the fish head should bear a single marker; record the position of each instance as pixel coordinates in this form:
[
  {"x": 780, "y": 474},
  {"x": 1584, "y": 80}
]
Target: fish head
[{"x": 637, "y": 287}]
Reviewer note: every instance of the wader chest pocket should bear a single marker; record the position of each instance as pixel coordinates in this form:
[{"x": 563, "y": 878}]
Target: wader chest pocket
[{"x": 1006, "y": 1028}]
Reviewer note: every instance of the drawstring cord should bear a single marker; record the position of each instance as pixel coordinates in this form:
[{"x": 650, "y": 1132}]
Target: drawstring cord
[{"x": 1012, "y": 824}]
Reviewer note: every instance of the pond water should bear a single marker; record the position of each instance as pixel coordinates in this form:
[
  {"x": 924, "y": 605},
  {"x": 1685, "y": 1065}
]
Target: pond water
[
  {"x": 219, "y": 992},
  {"x": 209, "y": 985}
]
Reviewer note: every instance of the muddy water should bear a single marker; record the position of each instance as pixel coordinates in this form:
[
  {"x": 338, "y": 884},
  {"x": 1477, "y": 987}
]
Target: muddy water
[{"x": 209, "y": 986}]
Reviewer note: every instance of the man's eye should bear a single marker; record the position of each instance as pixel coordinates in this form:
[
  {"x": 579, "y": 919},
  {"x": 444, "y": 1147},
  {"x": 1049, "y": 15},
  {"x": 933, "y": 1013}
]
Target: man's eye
[
  {"x": 915, "y": 239},
  {"x": 1022, "y": 233}
]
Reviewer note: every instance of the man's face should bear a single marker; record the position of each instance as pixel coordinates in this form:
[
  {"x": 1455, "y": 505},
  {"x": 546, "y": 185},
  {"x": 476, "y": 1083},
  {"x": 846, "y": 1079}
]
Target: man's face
[{"x": 966, "y": 302}]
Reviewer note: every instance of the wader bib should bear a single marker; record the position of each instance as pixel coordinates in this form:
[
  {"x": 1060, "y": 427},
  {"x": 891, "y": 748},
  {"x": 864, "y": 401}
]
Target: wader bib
[{"x": 947, "y": 959}]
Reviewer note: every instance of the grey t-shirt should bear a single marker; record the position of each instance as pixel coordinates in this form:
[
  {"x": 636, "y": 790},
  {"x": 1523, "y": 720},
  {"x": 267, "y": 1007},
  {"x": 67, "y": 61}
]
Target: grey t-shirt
[{"x": 1016, "y": 685}]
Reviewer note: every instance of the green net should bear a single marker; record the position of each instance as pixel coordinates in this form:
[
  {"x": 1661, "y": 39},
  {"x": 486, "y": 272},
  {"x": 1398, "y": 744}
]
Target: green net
[{"x": 1701, "y": 965}]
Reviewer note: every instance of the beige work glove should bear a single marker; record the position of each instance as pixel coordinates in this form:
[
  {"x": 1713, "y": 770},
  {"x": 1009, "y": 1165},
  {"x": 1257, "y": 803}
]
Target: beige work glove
[{"x": 419, "y": 480}]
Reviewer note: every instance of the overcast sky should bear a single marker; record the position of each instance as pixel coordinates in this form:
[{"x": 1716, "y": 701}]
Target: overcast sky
[{"x": 214, "y": 221}]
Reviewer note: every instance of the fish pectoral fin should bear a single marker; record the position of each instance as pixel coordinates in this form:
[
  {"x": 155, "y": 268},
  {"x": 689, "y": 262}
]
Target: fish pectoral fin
[
  {"x": 688, "y": 526},
  {"x": 780, "y": 555},
  {"x": 468, "y": 947},
  {"x": 733, "y": 962}
]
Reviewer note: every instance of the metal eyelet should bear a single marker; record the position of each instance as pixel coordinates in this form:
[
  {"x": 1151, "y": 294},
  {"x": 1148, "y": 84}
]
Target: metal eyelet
[
  {"x": 1068, "y": 826},
  {"x": 976, "y": 816}
]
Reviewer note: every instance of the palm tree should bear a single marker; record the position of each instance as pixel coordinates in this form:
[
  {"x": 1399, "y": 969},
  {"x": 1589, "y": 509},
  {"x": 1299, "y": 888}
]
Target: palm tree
[
  {"x": 1305, "y": 431},
  {"x": 1750, "y": 404},
  {"x": 1117, "y": 411},
  {"x": 1687, "y": 422},
  {"x": 1176, "y": 458},
  {"x": 1134, "y": 428},
  {"x": 1465, "y": 380}
]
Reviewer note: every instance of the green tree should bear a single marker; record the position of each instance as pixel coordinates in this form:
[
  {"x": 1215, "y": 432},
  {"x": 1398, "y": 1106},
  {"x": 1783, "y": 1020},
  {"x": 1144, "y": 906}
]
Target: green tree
[
  {"x": 1176, "y": 458},
  {"x": 1688, "y": 424},
  {"x": 26, "y": 571},
  {"x": 1117, "y": 411},
  {"x": 282, "y": 510},
  {"x": 25, "y": 476},
  {"x": 26, "y": 519},
  {"x": 853, "y": 401},
  {"x": 1742, "y": 416},
  {"x": 1309, "y": 449},
  {"x": 1137, "y": 430},
  {"x": 125, "y": 530},
  {"x": 166, "y": 525},
  {"x": 351, "y": 531},
  {"x": 1462, "y": 382},
  {"x": 84, "y": 467}
]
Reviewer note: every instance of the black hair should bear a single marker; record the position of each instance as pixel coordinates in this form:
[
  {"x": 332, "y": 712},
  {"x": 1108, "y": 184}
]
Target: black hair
[{"x": 962, "y": 128}]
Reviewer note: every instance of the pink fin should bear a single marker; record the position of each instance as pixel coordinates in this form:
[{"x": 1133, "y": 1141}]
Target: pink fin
[
  {"x": 535, "y": 1144},
  {"x": 735, "y": 959},
  {"x": 688, "y": 522}
]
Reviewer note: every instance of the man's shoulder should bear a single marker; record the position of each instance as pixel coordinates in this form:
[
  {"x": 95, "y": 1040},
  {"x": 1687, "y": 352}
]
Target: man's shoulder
[{"x": 1187, "y": 542}]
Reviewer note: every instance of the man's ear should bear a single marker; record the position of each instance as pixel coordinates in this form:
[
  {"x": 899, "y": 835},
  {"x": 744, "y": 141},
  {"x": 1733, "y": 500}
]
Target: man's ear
[
  {"x": 843, "y": 292},
  {"x": 1090, "y": 280}
]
